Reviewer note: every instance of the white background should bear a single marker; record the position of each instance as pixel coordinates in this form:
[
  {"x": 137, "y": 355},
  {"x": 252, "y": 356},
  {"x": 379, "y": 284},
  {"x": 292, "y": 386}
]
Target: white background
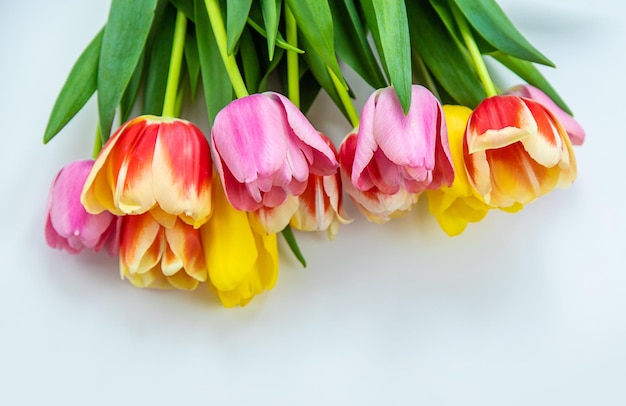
[{"x": 525, "y": 309}]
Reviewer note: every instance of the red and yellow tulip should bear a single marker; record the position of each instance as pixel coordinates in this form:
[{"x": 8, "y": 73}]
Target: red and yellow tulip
[
  {"x": 153, "y": 164},
  {"x": 515, "y": 150}
]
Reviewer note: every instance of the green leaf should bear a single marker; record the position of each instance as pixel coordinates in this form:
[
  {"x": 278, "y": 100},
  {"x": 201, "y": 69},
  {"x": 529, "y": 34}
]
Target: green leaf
[
  {"x": 278, "y": 56},
  {"x": 280, "y": 41},
  {"x": 293, "y": 245},
  {"x": 271, "y": 12},
  {"x": 491, "y": 22},
  {"x": 320, "y": 71},
  {"x": 315, "y": 22},
  {"x": 387, "y": 19},
  {"x": 123, "y": 41},
  {"x": 218, "y": 91},
  {"x": 309, "y": 89},
  {"x": 445, "y": 58},
  {"x": 528, "y": 72},
  {"x": 352, "y": 45},
  {"x": 193, "y": 61},
  {"x": 158, "y": 63},
  {"x": 78, "y": 88},
  {"x": 236, "y": 15},
  {"x": 187, "y": 7},
  {"x": 130, "y": 93},
  {"x": 250, "y": 62}
]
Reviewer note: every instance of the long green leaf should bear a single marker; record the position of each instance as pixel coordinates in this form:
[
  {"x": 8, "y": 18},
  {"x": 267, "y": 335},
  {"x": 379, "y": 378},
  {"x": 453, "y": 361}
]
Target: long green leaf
[
  {"x": 218, "y": 91},
  {"x": 293, "y": 245},
  {"x": 315, "y": 22},
  {"x": 528, "y": 72},
  {"x": 193, "y": 61},
  {"x": 271, "y": 12},
  {"x": 280, "y": 41},
  {"x": 491, "y": 22},
  {"x": 442, "y": 54},
  {"x": 236, "y": 15},
  {"x": 352, "y": 45},
  {"x": 187, "y": 7},
  {"x": 250, "y": 61},
  {"x": 124, "y": 39},
  {"x": 158, "y": 64},
  {"x": 387, "y": 19},
  {"x": 320, "y": 71},
  {"x": 130, "y": 93},
  {"x": 79, "y": 86}
]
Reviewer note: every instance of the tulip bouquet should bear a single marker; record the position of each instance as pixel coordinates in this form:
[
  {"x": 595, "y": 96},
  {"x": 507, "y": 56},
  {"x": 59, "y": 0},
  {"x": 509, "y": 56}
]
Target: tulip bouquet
[{"x": 182, "y": 205}]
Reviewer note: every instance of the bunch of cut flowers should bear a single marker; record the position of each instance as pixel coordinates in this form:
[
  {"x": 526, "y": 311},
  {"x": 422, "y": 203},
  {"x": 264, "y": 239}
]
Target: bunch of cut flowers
[{"x": 183, "y": 205}]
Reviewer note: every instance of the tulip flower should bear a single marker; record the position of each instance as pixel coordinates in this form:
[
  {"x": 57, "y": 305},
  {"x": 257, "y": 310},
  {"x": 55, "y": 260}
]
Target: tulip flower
[
  {"x": 395, "y": 151},
  {"x": 574, "y": 130},
  {"x": 242, "y": 259},
  {"x": 265, "y": 149},
  {"x": 153, "y": 164},
  {"x": 516, "y": 150},
  {"x": 321, "y": 205},
  {"x": 154, "y": 256},
  {"x": 376, "y": 206},
  {"x": 453, "y": 207},
  {"x": 68, "y": 225}
]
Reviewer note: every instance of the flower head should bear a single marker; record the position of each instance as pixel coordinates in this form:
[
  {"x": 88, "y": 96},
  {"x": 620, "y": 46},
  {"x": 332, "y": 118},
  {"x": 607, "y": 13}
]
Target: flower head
[
  {"x": 158, "y": 257},
  {"x": 516, "y": 150},
  {"x": 321, "y": 205},
  {"x": 68, "y": 225},
  {"x": 242, "y": 259},
  {"x": 376, "y": 206},
  {"x": 456, "y": 205},
  {"x": 153, "y": 164},
  {"x": 265, "y": 149},
  {"x": 395, "y": 151},
  {"x": 574, "y": 130}
]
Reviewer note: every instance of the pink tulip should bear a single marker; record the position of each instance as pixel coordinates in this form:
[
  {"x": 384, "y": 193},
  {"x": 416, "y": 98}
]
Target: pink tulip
[
  {"x": 377, "y": 206},
  {"x": 397, "y": 152},
  {"x": 68, "y": 225},
  {"x": 265, "y": 149},
  {"x": 574, "y": 130}
]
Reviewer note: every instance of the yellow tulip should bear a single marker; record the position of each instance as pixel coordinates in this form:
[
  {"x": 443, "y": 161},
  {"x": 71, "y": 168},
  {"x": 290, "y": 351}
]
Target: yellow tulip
[
  {"x": 457, "y": 205},
  {"x": 241, "y": 258}
]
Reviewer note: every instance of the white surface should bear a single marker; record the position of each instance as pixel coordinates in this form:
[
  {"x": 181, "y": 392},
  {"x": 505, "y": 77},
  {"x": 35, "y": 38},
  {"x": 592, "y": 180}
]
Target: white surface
[{"x": 525, "y": 309}]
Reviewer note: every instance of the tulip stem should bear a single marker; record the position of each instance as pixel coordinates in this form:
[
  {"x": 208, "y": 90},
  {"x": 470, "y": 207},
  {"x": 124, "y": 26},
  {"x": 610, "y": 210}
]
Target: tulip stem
[
  {"x": 477, "y": 58},
  {"x": 97, "y": 143},
  {"x": 176, "y": 59},
  {"x": 353, "y": 116},
  {"x": 423, "y": 76},
  {"x": 293, "y": 70},
  {"x": 219, "y": 30}
]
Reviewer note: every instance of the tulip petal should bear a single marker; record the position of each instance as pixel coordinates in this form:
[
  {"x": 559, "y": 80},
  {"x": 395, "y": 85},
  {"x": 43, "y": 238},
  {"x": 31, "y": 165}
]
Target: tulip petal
[
  {"x": 182, "y": 172},
  {"x": 228, "y": 243},
  {"x": 185, "y": 244},
  {"x": 544, "y": 146},
  {"x": 321, "y": 157},
  {"x": 256, "y": 142},
  {"x": 142, "y": 244},
  {"x": 575, "y": 131}
]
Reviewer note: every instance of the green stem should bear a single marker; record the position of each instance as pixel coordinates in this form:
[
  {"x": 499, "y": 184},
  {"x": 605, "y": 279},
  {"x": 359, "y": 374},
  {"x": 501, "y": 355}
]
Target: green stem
[
  {"x": 219, "y": 30},
  {"x": 97, "y": 143},
  {"x": 477, "y": 58},
  {"x": 176, "y": 59},
  {"x": 293, "y": 71},
  {"x": 345, "y": 99}
]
